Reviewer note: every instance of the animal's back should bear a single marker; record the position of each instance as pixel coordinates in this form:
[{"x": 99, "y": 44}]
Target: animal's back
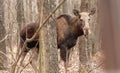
[
  {"x": 63, "y": 28},
  {"x": 29, "y": 30}
]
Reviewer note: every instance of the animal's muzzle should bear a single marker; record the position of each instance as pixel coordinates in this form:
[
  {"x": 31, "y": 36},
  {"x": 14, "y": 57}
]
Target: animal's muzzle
[{"x": 87, "y": 30}]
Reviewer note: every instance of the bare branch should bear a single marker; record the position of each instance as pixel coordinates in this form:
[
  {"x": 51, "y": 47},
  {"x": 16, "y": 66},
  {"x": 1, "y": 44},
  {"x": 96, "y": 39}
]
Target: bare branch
[
  {"x": 4, "y": 38},
  {"x": 5, "y": 55}
]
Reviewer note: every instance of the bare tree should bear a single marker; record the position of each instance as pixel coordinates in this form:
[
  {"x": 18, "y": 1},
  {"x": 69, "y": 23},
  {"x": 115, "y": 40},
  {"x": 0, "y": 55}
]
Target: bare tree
[
  {"x": 2, "y": 36},
  {"x": 48, "y": 45}
]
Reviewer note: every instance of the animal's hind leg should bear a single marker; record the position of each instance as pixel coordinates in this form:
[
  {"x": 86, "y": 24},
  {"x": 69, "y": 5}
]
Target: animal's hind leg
[
  {"x": 66, "y": 62},
  {"x": 22, "y": 58},
  {"x": 20, "y": 61},
  {"x": 34, "y": 62},
  {"x": 64, "y": 53},
  {"x": 23, "y": 55}
]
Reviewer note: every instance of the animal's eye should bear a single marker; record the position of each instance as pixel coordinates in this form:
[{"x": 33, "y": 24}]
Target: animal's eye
[{"x": 89, "y": 19}]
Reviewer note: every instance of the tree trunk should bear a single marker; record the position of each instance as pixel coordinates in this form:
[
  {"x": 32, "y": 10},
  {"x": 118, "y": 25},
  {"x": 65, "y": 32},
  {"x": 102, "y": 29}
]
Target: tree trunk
[
  {"x": 20, "y": 13},
  {"x": 2, "y": 37},
  {"x": 83, "y": 50},
  {"x": 48, "y": 45},
  {"x": 94, "y": 43},
  {"x": 20, "y": 21}
]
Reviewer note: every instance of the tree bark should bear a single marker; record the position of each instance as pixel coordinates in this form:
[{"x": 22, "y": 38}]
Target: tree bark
[
  {"x": 48, "y": 62},
  {"x": 20, "y": 21},
  {"x": 20, "y": 13},
  {"x": 84, "y": 5},
  {"x": 2, "y": 36}
]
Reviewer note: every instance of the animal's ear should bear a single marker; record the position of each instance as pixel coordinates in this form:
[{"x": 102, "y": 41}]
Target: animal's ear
[
  {"x": 92, "y": 12},
  {"x": 76, "y": 12}
]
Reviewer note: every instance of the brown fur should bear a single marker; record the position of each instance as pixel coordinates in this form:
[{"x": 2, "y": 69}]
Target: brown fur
[{"x": 68, "y": 30}]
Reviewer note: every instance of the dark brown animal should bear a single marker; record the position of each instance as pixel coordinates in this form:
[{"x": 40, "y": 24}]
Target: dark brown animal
[
  {"x": 69, "y": 28},
  {"x": 27, "y": 32}
]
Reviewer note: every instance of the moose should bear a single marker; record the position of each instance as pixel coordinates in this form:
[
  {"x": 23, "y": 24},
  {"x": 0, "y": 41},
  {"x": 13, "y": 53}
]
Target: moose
[{"x": 69, "y": 28}]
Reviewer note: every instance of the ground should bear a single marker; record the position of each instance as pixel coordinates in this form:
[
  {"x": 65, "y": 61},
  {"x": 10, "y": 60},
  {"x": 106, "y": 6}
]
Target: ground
[{"x": 95, "y": 65}]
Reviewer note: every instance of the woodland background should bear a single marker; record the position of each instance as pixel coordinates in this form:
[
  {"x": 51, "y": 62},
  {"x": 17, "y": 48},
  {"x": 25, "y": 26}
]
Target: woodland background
[{"x": 85, "y": 57}]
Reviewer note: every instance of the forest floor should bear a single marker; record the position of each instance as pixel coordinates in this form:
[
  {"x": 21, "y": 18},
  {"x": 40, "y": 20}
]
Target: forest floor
[{"x": 95, "y": 65}]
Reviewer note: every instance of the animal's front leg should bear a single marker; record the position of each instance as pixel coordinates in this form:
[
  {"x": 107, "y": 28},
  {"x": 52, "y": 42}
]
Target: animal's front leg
[
  {"x": 34, "y": 61},
  {"x": 64, "y": 53}
]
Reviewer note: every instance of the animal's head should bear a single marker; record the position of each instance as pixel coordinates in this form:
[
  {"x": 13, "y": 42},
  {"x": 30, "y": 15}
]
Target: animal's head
[{"x": 84, "y": 18}]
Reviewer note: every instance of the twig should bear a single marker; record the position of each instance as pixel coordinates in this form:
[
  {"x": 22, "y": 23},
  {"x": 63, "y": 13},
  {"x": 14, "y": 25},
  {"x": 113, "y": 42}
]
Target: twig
[
  {"x": 4, "y": 38},
  {"x": 4, "y": 54},
  {"x": 28, "y": 40}
]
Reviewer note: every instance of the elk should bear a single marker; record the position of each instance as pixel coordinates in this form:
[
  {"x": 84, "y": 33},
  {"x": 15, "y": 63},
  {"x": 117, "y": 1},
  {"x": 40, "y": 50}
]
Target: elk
[{"x": 69, "y": 28}]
